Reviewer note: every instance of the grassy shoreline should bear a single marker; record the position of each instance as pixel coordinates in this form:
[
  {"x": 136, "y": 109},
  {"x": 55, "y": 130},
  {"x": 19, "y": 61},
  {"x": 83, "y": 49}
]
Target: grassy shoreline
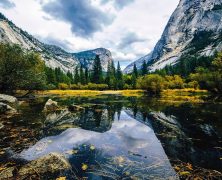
[
  {"x": 91, "y": 92},
  {"x": 184, "y": 95},
  {"x": 171, "y": 96},
  {"x": 166, "y": 96}
]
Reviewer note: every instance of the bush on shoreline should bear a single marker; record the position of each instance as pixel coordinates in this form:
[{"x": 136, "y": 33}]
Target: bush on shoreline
[{"x": 89, "y": 86}]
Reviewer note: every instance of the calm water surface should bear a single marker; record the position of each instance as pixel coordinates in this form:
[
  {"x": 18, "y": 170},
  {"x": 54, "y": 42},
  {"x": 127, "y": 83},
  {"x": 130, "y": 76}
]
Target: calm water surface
[{"x": 118, "y": 137}]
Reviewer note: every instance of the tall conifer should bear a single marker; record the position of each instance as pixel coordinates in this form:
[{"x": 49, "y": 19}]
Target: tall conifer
[{"x": 97, "y": 74}]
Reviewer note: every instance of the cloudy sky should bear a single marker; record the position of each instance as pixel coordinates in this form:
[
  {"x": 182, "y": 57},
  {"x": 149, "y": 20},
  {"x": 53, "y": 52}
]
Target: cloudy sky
[{"x": 128, "y": 28}]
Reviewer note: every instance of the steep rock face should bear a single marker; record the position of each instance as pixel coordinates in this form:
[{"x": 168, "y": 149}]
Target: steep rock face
[
  {"x": 194, "y": 26},
  {"x": 87, "y": 57},
  {"x": 53, "y": 56}
]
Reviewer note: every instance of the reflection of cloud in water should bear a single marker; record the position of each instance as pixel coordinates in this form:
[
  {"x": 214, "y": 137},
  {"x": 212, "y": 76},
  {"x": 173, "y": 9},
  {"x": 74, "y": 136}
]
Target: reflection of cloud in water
[
  {"x": 126, "y": 135},
  {"x": 130, "y": 127},
  {"x": 65, "y": 141},
  {"x": 133, "y": 143}
]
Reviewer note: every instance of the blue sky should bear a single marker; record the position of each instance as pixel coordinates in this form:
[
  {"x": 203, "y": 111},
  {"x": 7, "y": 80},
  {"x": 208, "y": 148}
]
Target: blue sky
[{"x": 128, "y": 28}]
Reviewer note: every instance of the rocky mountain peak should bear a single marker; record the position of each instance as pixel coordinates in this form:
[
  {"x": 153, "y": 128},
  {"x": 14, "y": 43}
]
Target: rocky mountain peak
[
  {"x": 191, "y": 23},
  {"x": 87, "y": 57}
]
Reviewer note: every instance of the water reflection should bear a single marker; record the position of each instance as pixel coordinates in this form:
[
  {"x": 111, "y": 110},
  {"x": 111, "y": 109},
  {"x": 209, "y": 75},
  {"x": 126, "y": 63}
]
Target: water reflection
[
  {"x": 194, "y": 131},
  {"x": 128, "y": 139},
  {"x": 132, "y": 136}
]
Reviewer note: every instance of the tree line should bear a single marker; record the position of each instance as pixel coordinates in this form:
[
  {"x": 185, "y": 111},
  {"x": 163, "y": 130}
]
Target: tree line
[
  {"x": 96, "y": 78},
  {"x": 85, "y": 78},
  {"x": 25, "y": 70},
  {"x": 20, "y": 69}
]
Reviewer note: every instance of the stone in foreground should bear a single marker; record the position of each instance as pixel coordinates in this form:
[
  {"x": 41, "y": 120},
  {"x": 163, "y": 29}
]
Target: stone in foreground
[
  {"x": 6, "y": 109},
  {"x": 51, "y": 106},
  {"x": 53, "y": 163},
  {"x": 8, "y": 99}
]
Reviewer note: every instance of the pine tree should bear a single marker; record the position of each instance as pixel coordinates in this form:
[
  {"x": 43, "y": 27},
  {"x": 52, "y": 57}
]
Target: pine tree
[
  {"x": 119, "y": 77},
  {"x": 111, "y": 76},
  {"x": 82, "y": 76},
  {"x": 135, "y": 71},
  {"x": 183, "y": 67},
  {"x": 108, "y": 74},
  {"x": 62, "y": 77},
  {"x": 58, "y": 75},
  {"x": 134, "y": 81},
  {"x": 134, "y": 76},
  {"x": 70, "y": 75},
  {"x": 113, "y": 81},
  {"x": 50, "y": 75},
  {"x": 113, "y": 69},
  {"x": 86, "y": 75},
  {"x": 76, "y": 76},
  {"x": 144, "y": 70},
  {"x": 97, "y": 74}
]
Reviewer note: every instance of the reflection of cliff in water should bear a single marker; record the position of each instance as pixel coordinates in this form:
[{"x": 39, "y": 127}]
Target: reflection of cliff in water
[
  {"x": 188, "y": 133},
  {"x": 98, "y": 118},
  {"x": 129, "y": 146}
]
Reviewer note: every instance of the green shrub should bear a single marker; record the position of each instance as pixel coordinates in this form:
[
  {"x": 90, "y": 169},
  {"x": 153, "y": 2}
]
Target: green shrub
[
  {"x": 51, "y": 87},
  {"x": 152, "y": 83},
  {"x": 174, "y": 82},
  {"x": 63, "y": 86},
  {"x": 208, "y": 80},
  {"x": 90, "y": 86},
  {"x": 100, "y": 87},
  {"x": 75, "y": 86},
  {"x": 192, "y": 84},
  {"x": 127, "y": 86},
  {"x": 20, "y": 69}
]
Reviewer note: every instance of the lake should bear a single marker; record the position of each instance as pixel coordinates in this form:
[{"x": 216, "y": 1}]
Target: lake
[{"x": 116, "y": 137}]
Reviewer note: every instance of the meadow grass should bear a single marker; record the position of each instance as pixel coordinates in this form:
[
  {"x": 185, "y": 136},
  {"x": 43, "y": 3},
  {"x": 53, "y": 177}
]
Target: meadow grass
[
  {"x": 184, "y": 95},
  {"x": 91, "y": 92},
  {"x": 169, "y": 96}
]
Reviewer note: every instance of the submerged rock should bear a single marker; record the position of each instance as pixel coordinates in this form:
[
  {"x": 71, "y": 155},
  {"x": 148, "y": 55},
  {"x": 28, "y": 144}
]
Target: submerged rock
[
  {"x": 8, "y": 105},
  {"x": 7, "y": 173},
  {"x": 58, "y": 121},
  {"x": 8, "y": 99},
  {"x": 46, "y": 167},
  {"x": 74, "y": 108},
  {"x": 1, "y": 125},
  {"x": 52, "y": 163},
  {"x": 6, "y": 109},
  {"x": 3, "y": 108},
  {"x": 59, "y": 116},
  {"x": 51, "y": 106}
]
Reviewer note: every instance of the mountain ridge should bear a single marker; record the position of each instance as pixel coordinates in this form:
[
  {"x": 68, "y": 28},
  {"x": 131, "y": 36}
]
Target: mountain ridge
[
  {"x": 53, "y": 55},
  {"x": 190, "y": 21}
]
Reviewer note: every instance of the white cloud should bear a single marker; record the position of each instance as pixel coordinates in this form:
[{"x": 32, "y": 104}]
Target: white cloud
[{"x": 144, "y": 18}]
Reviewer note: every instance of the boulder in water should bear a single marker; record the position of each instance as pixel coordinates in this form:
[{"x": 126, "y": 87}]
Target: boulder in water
[
  {"x": 53, "y": 163},
  {"x": 6, "y": 109},
  {"x": 11, "y": 100},
  {"x": 51, "y": 106},
  {"x": 7, "y": 173},
  {"x": 75, "y": 108}
]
